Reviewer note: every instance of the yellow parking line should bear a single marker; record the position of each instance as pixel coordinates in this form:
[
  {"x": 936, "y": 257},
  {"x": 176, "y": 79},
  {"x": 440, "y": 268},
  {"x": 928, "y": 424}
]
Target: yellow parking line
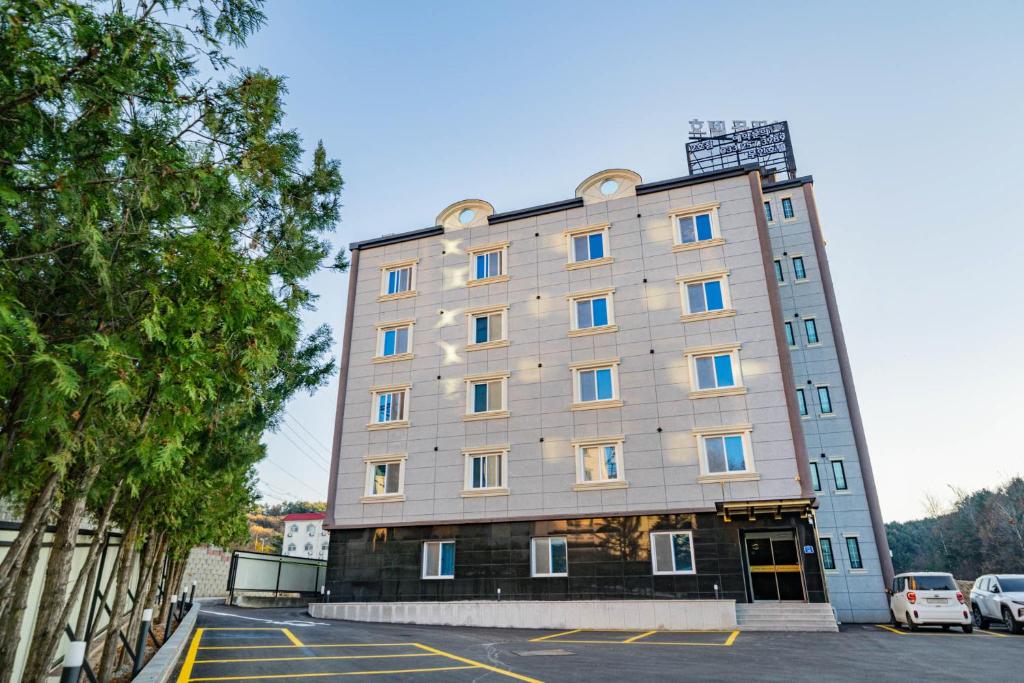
[
  {"x": 890, "y": 628},
  {"x": 481, "y": 665},
  {"x": 340, "y": 673},
  {"x": 241, "y": 628},
  {"x": 732, "y": 638},
  {"x": 989, "y": 633},
  {"x": 642, "y": 635},
  {"x": 555, "y": 635},
  {"x": 296, "y": 659},
  {"x": 291, "y": 637},
  {"x": 190, "y": 658},
  {"x": 291, "y": 647}
]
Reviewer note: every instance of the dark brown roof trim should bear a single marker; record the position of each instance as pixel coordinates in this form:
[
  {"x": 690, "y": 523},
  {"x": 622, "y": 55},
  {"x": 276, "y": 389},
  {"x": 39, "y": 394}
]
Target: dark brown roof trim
[
  {"x": 563, "y": 205},
  {"x": 695, "y": 179},
  {"x": 397, "y": 237},
  {"x": 787, "y": 184}
]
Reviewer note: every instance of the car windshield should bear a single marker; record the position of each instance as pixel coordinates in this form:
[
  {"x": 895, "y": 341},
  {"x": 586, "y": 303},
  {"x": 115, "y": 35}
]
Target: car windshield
[
  {"x": 1011, "y": 584},
  {"x": 932, "y": 583}
]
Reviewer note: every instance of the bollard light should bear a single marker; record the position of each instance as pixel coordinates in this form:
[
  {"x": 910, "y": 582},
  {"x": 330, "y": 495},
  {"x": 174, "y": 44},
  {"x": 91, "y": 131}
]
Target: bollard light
[
  {"x": 170, "y": 615},
  {"x": 73, "y": 659},
  {"x": 140, "y": 643}
]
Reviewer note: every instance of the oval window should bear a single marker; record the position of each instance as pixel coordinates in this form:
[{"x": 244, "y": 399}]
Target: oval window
[
  {"x": 466, "y": 215},
  {"x": 609, "y": 187}
]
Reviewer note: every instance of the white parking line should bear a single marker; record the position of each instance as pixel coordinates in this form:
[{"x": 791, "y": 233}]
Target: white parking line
[{"x": 292, "y": 622}]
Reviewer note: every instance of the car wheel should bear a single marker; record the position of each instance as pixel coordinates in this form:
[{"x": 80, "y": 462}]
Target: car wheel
[
  {"x": 945, "y": 627},
  {"x": 1011, "y": 625},
  {"x": 892, "y": 619},
  {"x": 980, "y": 621},
  {"x": 968, "y": 628},
  {"x": 910, "y": 623}
]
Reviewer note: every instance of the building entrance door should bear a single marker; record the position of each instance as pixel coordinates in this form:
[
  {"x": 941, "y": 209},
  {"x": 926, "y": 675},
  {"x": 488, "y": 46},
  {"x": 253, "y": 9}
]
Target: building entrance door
[{"x": 774, "y": 566}]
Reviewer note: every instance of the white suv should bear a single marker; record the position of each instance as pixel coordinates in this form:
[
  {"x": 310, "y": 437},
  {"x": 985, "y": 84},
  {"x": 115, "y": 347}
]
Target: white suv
[
  {"x": 999, "y": 597},
  {"x": 928, "y": 599}
]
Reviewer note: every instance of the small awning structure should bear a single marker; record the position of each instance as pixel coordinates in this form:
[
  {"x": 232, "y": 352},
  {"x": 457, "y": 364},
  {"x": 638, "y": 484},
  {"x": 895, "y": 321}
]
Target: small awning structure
[{"x": 774, "y": 509}]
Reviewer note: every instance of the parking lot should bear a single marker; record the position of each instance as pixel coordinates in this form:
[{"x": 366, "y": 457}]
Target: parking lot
[{"x": 232, "y": 644}]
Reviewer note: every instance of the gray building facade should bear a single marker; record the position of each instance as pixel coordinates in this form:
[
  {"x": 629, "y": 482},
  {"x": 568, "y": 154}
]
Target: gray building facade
[{"x": 598, "y": 398}]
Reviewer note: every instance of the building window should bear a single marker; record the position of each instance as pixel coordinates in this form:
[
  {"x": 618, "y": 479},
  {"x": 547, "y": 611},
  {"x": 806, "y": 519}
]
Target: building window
[
  {"x": 811, "y": 327},
  {"x": 715, "y": 370},
  {"x": 384, "y": 477},
  {"x": 778, "y": 271},
  {"x": 390, "y": 406},
  {"x": 588, "y": 246},
  {"x": 550, "y": 557},
  {"x": 790, "y": 337},
  {"x": 799, "y": 272},
  {"x": 815, "y": 477},
  {"x": 768, "y": 215},
  {"x": 672, "y": 552},
  {"x": 839, "y": 472},
  {"x": 596, "y": 384},
  {"x": 487, "y": 327},
  {"x": 725, "y": 452},
  {"x": 488, "y": 264},
  {"x": 598, "y": 461},
  {"x": 705, "y": 295},
  {"x": 291, "y": 547},
  {"x": 853, "y": 549},
  {"x": 310, "y": 529},
  {"x": 787, "y": 208},
  {"x": 294, "y": 528},
  {"x": 696, "y": 227},
  {"x": 394, "y": 341},
  {"x": 592, "y": 312},
  {"x": 485, "y": 395},
  {"x": 825, "y": 400},
  {"x": 486, "y": 470},
  {"x": 801, "y": 401},
  {"x": 439, "y": 560},
  {"x": 309, "y": 547},
  {"x": 828, "y": 559},
  {"x": 398, "y": 280}
]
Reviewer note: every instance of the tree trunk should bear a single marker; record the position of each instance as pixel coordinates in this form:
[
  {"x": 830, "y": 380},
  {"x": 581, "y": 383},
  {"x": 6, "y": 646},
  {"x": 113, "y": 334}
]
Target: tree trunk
[
  {"x": 10, "y": 627},
  {"x": 33, "y": 520},
  {"x": 126, "y": 566},
  {"x": 100, "y": 541},
  {"x": 10, "y": 428},
  {"x": 149, "y": 553},
  {"x": 170, "y": 588},
  {"x": 55, "y": 605}
]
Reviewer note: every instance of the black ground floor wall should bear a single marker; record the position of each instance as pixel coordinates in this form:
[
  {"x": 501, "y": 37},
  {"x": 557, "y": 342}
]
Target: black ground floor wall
[{"x": 608, "y": 558}]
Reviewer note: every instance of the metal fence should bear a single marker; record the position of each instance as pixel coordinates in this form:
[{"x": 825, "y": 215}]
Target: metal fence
[{"x": 267, "y": 573}]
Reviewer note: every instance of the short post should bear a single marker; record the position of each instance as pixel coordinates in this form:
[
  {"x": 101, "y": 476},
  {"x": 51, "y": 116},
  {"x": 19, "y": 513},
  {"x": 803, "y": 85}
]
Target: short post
[
  {"x": 170, "y": 615},
  {"x": 716, "y": 591},
  {"x": 499, "y": 595},
  {"x": 328, "y": 596},
  {"x": 181, "y": 605},
  {"x": 73, "y": 660},
  {"x": 192, "y": 594},
  {"x": 140, "y": 644}
]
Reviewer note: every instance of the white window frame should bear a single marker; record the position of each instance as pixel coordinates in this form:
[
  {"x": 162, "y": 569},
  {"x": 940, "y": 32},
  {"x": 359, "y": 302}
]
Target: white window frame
[
  {"x": 744, "y": 431},
  {"x": 716, "y": 230},
  {"x": 574, "y": 324},
  {"x": 382, "y": 329},
  {"x": 423, "y": 560},
  {"x": 375, "y": 393},
  {"x": 398, "y": 265},
  {"x": 533, "y": 557},
  {"x": 573, "y": 233},
  {"x": 471, "y": 380},
  {"x": 371, "y": 461},
  {"x": 654, "y": 560},
  {"x": 500, "y": 247},
  {"x": 792, "y": 263},
  {"x": 708, "y": 276},
  {"x": 620, "y": 482},
  {"x": 467, "y": 483},
  {"x": 472, "y": 314},
  {"x": 782, "y": 210},
  {"x": 733, "y": 351},
  {"x": 608, "y": 363}
]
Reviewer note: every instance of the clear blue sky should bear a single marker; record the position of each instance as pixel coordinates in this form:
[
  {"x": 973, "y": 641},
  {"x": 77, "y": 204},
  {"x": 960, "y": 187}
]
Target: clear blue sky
[{"x": 907, "y": 114}]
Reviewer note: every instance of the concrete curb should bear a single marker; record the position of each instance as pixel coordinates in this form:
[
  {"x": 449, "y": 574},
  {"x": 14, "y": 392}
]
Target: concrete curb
[{"x": 161, "y": 666}]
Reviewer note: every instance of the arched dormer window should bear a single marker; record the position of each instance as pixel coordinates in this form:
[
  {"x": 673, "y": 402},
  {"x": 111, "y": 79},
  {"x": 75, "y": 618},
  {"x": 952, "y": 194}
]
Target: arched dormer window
[
  {"x": 467, "y": 213},
  {"x": 613, "y": 183}
]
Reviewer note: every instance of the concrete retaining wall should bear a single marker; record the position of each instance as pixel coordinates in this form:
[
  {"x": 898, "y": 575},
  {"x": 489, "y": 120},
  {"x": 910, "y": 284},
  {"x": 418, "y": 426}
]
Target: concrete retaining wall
[
  {"x": 559, "y": 614},
  {"x": 208, "y": 566}
]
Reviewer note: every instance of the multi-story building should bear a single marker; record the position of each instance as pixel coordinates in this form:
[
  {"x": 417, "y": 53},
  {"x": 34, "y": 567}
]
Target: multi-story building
[
  {"x": 304, "y": 535},
  {"x": 612, "y": 396}
]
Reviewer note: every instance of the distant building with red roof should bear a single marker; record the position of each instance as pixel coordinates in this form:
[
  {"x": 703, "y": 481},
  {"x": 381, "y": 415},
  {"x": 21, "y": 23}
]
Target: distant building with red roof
[{"x": 304, "y": 535}]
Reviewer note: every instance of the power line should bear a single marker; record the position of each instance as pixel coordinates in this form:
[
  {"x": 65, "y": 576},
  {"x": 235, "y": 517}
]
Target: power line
[
  {"x": 303, "y": 427},
  {"x": 302, "y": 451},
  {"x": 304, "y": 484},
  {"x": 312, "y": 447}
]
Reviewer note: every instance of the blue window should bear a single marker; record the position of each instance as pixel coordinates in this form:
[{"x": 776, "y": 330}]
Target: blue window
[
  {"x": 839, "y": 472},
  {"x": 811, "y": 328},
  {"x": 672, "y": 552},
  {"x": 592, "y": 313},
  {"x": 486, "y": 396},
  {"x": 549, "y": 557},
  {"x": 399, "y": 280},
  {"x": 725, "y": 454},
  {"x": 395, "y": 341},
  {"x": 825, "y": 400},
  {"x": 479, "y": 398},
  {"x": 778, "y": 271},
  {"x": 696, "y": 228},
  {"x": 391, "y": 406},
  {"x": 799, "y": 272},
  {"x": 486, "y": 471},
  {"x": 596, "y": 385},
  {"x": 827, "y": 558},
  {"x": 787, "y": 207},
  {"x": 707, "y": 296},
  {"x": 801, "y": 401},
  {"x": 768, "y": 211},
  {"x": 489, "y": 264},
  {"x": 588, "y": 247},
  {"x": 488, "y": 327},
  {"x": 714, "y": 372},
  {"x": 599, "y": 462},
  {"x": 815, "y": 477},
  {"x": 386, "y": 478},
  {"x": 439, "y": 560},
  {"x": 853, "y": 549},
  {"x": 790, "y": 337}
]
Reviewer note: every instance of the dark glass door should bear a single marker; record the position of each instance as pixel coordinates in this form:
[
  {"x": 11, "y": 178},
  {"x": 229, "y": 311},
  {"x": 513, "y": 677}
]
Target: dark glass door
[{"x": 774, "y": 567}]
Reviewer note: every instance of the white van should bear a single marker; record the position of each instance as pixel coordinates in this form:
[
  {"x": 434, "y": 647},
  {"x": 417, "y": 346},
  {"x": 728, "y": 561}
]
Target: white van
[{"x": 928, "y": 599}]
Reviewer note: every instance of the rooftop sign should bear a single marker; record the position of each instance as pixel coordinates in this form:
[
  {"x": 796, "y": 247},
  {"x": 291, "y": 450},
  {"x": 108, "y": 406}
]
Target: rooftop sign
[{"x": 769, "y": 145}]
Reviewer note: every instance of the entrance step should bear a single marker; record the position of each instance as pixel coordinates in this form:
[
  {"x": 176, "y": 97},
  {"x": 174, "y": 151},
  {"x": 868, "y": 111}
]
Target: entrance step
[{"x": 784, "y": 616}]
